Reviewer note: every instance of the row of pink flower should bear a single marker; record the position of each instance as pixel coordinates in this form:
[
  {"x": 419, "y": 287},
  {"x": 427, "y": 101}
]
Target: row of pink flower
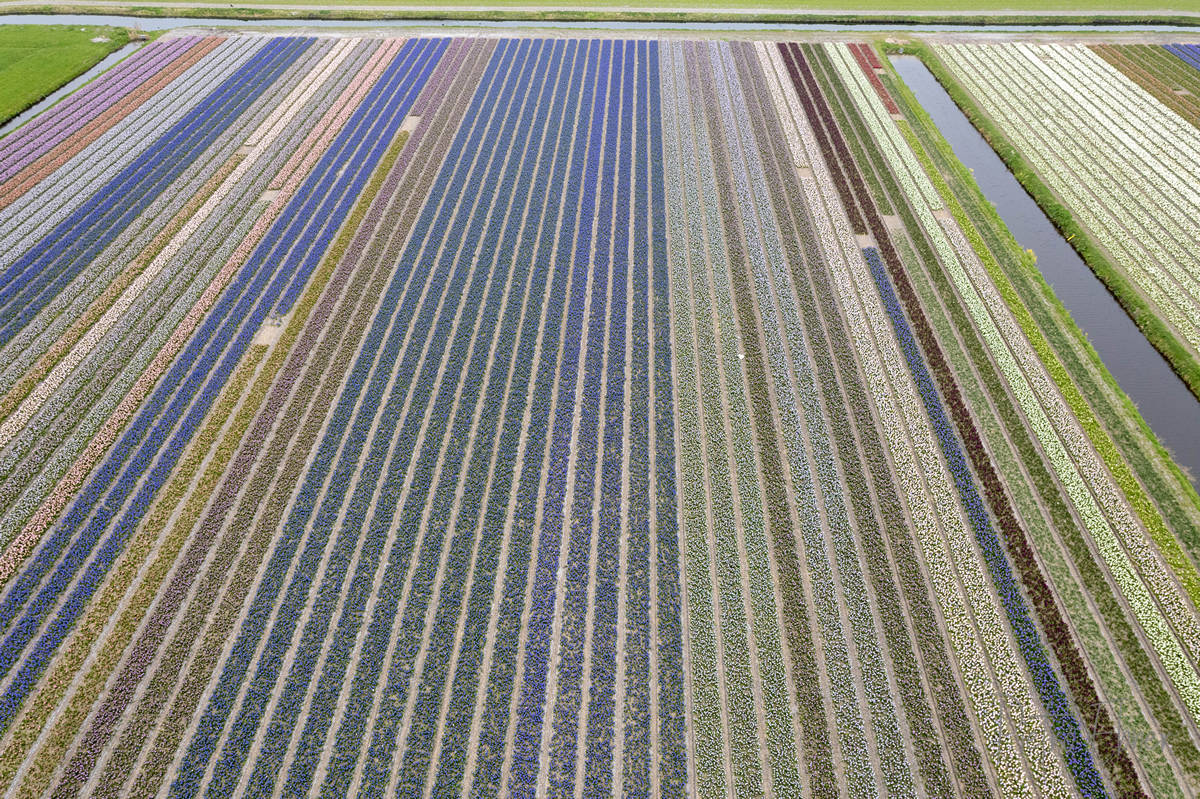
[{"x": 30, "y": 141}]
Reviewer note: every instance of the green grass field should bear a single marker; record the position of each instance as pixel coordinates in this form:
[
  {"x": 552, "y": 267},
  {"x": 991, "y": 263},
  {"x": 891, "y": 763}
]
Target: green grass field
[{"x": 37, "y": 59}]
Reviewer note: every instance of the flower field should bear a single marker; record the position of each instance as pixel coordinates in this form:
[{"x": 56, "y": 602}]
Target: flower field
[
  {"x": 1115, "y": 139},
  {"x": 578, "y": 417}
]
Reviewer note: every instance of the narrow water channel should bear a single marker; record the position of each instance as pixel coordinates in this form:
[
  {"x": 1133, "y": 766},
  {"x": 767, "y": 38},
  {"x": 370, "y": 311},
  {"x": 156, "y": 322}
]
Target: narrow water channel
[
  {"x": 103, "y": 65},
  {"x": 1163, "y": 399},
  {"x": 299, "y": 22}
]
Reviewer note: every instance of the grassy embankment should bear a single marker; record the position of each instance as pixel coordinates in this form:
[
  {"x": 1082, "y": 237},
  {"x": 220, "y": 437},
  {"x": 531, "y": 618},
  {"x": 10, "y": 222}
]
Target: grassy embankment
[
  {"x": 1134, "y": 303},
  {"x": 37, "y": 59}
]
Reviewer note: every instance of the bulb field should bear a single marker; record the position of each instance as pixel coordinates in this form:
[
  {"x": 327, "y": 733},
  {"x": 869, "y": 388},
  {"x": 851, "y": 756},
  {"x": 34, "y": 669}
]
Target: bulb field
[{"x": 586, "y": 417}]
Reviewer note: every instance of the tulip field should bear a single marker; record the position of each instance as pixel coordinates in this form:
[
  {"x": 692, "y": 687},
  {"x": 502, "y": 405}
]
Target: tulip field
[
  {"x": 579, "y": 417},
  {"x": 1116, "y": 140}
]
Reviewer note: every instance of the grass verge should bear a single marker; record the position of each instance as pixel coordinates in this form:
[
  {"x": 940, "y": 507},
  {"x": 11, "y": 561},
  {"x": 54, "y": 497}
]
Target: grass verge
[{"x": 35, "y": 60}]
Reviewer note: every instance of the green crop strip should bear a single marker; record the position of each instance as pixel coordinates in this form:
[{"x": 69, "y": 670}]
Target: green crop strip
[
  {"x": 102, "y": 609},
  {"x": 1183, "y": 567},
  {"x": 1117, "y": 56}
]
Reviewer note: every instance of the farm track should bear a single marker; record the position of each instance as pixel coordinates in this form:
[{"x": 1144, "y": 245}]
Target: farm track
[{"x": 571, "y": 416}]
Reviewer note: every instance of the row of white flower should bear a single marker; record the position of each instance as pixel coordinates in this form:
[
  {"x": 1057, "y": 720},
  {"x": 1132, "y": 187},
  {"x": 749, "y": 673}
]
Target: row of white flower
[
  {"x": 776, "y": 293},
  {"x": 720, "y": 676},
  {"x": 1116, "y": 163},
  {"x": 773, "y": 289},
  {"x": 999, "y": 737},
  {"x": 1160, "y": 586},
  {"x": 702, "y": 688},
  {"x": 1132, "y": 207},
  {"x": 1042, "y": 755}
]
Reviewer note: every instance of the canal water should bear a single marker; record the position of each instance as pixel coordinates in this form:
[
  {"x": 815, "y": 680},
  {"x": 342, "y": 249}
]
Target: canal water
[
  {"x": 104, "y": 64},
  {"x": 167, "y": 23},
  {"x": 1165, "y": 402}
]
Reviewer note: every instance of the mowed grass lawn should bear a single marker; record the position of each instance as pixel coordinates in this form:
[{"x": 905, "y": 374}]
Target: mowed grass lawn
[{"x": 37, "y": 59}]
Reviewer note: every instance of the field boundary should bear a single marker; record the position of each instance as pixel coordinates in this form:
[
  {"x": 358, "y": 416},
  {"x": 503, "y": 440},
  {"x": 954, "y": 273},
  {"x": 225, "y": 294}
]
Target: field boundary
[
  {"x": 251, "y": 13},
  {"x": 1130, "y": 299}
]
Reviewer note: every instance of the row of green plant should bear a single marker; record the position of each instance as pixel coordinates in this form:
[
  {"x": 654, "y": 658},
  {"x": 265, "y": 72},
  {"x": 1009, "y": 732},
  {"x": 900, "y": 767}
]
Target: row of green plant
[
  {"x": 1061, "y": 521},
  {"x": 1138, "y": 308}
]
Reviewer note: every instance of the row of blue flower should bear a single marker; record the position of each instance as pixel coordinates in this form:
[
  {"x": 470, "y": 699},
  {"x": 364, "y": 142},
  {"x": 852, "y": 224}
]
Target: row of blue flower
[
  {"x": 144, "y": 457},
  {"x": 1190, "y": 53},
  {"x": 1066, "y": 727},
  {"x": 610, "y": 264},
  {"x": 338, "y": 453},
  {"x": 523, "y": 774},
  {"x": 47, "y": 267}
]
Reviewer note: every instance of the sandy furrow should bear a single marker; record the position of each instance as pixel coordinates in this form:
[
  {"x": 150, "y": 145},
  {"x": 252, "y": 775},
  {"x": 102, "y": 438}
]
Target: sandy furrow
[
  {"x": 263, "y": 137},
  {"x": 976, "y": 671},
  {"x": 53, "y": 199},
  {"x": 306, "y": 154},
  {"x": 530, "y": 765},
  {"x": 310, "y": 135},
  {"x": 483, "y": 574},
  {"x": 411, "y": 61}
]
